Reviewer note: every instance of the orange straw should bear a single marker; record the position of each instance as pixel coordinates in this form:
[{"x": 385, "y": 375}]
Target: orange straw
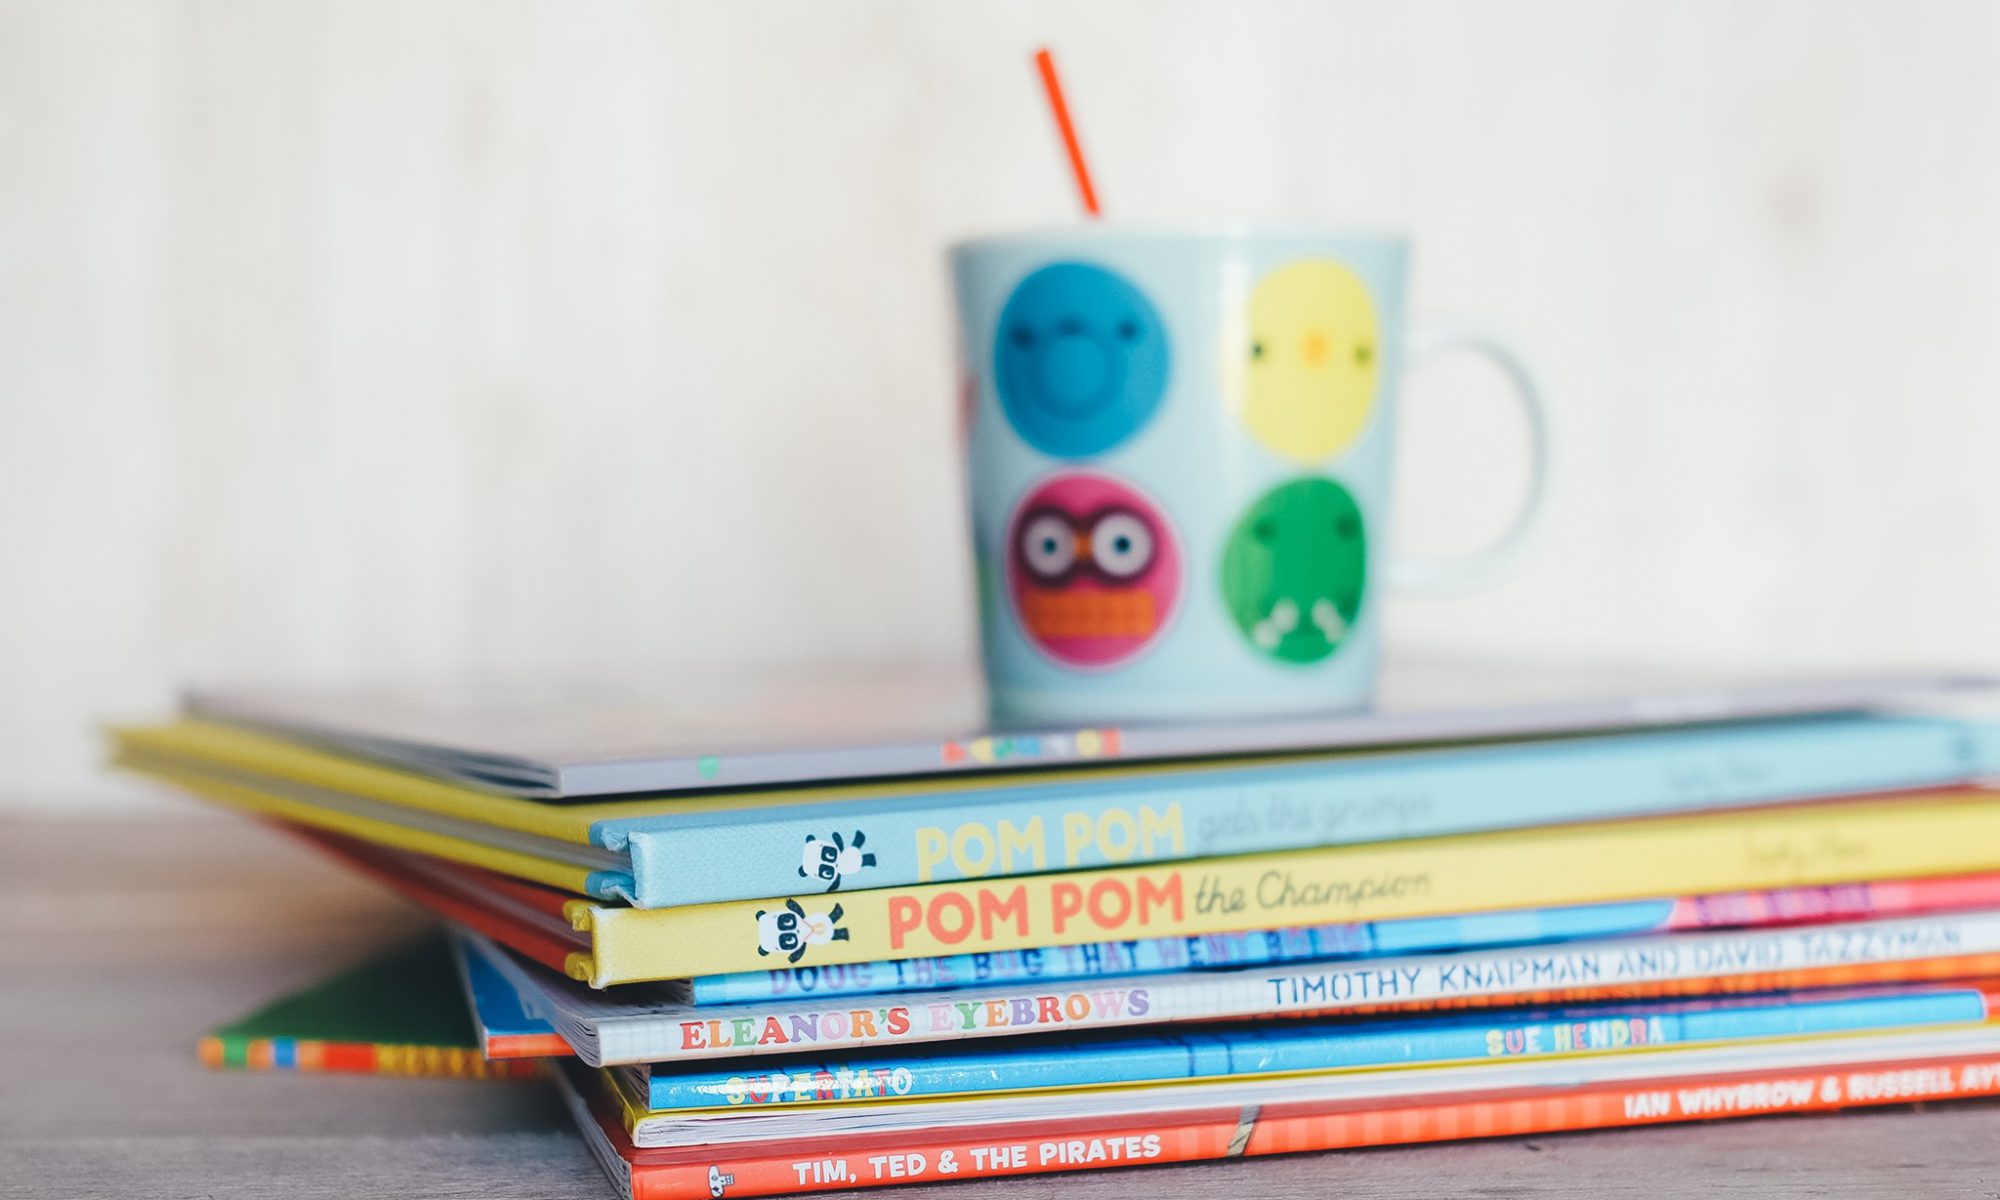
[{"x": 1047, "y": 66}]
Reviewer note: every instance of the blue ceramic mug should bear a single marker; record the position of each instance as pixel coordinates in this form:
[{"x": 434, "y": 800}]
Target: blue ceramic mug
[{"x": 1180, "y": 459}]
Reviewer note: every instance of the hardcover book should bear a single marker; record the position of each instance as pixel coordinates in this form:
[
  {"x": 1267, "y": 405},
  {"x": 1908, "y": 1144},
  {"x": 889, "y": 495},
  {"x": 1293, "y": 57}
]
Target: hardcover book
[
  {"x": 1152, "y": 956},
  {"x": 1834, "y": 842},
  {"x": 829, "y": 840},
  {"x": 536, "y": 922}
]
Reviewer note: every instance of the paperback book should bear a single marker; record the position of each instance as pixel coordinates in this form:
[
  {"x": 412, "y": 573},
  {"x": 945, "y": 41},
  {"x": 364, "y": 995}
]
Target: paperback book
[
  {"x": 505, "y": 1029},
  {"x": 1808, "y": 1075},
  {"x": 671, "y": 1130},
  {"x": 399, "y": 1013},
  {"x": 645, "y": 1025},
  {"x": 781, "y": 1088}
]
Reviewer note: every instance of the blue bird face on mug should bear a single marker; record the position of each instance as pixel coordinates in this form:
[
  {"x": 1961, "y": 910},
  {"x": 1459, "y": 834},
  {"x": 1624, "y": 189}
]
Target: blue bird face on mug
[{"x": 1080, "y": 359}]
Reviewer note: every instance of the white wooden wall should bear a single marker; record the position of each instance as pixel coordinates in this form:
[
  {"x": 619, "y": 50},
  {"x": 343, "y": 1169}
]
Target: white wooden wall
[{"x": 363, "y": 338}]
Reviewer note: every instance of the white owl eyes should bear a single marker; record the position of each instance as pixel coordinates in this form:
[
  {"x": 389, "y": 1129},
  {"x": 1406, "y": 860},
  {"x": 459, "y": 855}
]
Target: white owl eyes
[
  {"x": 1122, "y": 544},
  {"x": 1048, "y": 546},
  {"x": 1115, "y": 544}
]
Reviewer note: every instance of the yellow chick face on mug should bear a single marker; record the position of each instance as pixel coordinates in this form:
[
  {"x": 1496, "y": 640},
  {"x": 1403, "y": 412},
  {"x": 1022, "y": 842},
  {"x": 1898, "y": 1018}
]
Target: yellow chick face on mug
[{"x": 1305, "y": 380}]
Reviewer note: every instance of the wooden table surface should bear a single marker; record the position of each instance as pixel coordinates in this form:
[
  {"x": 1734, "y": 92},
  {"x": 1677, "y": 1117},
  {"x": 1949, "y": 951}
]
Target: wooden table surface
[{"x": 120, "y": 942}]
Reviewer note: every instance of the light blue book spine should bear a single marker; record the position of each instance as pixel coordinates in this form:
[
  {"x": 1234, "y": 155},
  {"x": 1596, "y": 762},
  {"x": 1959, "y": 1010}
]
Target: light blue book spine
[
  {"x": 1068, "y": 1062},
  {"x": 1135, "y": 816},
  {"x": 1155, "y": 956}
]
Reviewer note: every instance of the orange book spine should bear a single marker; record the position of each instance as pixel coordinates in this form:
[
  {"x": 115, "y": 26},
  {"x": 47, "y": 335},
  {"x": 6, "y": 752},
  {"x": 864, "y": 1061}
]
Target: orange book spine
[
  {"x": 525, "y": 1045},
  {"x": 1633, "y": 1102},
  {"x": 357, "y": 1058}
]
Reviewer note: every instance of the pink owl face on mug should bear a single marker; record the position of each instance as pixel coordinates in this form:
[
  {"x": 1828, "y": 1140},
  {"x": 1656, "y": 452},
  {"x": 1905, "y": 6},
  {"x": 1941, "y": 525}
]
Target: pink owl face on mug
[{"x": 1093, "y": 569}]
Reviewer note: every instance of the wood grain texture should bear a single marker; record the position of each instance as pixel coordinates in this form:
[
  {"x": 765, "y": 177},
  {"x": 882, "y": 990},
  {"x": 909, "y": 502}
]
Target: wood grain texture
[
  {"x": 354, "y": 337},
  {"x": 164, "y": 947}
]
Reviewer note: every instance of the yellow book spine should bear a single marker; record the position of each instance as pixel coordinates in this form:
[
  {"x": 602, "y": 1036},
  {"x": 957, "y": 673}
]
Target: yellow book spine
[
  {"x": 1839, "y": 842},
  {"x": 402, "y": 837},
  {"x": 196, "y": 745}
]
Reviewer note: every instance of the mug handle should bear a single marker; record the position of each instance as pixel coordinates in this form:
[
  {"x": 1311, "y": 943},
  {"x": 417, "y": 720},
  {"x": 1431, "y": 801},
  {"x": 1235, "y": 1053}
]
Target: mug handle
[{"x": 1476, "y": 568}]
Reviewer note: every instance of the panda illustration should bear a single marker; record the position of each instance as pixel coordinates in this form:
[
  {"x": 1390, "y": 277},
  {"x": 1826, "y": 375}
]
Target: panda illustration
[
  {"x": 791, "y": 929},
  {"x": 718, "y": 1182},
  {"x": 829, "y": 860}
]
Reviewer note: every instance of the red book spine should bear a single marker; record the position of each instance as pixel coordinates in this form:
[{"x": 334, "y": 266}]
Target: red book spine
[
  {"x": 1284, "y": 1130},
  {"x": 550, "y": 951}
]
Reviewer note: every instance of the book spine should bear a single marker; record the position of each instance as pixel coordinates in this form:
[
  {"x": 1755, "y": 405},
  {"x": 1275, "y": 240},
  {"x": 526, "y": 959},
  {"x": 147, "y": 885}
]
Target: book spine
[
  {"x": 1151, "y": 956},
  {"x": 1701, "y": 1098},
  {"x": 1073, "y": 1145},
  {"x": 357, "y": 1058},
  {"x": 1156, "y": 956},
  {"x": 1845, "y": 901},
  {"x": 1921, "y": 970},
  {"x": 1938, "y": 947},
  {"x": 1798, "y": 845},
  {"x": 1117, "y": 820},
  {"x": 1079, "y": 1146},
  {"x": 392, "y": 825},
  {"x": 508, "y": 1046},
  {"x": 505, "y": 1029},
  {"x": 454, "y": 904},
  {"x": 1266, "y": 1050}
]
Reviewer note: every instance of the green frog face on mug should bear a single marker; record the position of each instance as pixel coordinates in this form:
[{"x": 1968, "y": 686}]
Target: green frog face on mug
[{"x": 1293, "y": 570}]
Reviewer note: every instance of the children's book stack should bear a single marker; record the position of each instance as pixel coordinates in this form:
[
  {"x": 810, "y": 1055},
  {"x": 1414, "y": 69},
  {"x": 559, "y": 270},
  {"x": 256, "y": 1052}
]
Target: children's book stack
[{"x": 800, "y": 947}]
